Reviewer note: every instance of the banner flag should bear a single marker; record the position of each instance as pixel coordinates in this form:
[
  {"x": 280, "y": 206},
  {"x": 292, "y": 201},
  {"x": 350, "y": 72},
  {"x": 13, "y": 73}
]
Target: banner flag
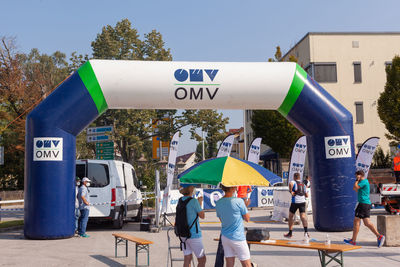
[
  {"x": 365, "y": 155},
  {"x": 254, "y": 151},
  {"x": 226, "y": 146},
  {"x": 298, "y": 158},
  {"x": 173, "y": 151}
]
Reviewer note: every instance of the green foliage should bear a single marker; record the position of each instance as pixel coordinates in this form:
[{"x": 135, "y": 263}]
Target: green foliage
[
  {"x": 275, "y": 131},
  {"x": 381, "y": 160},
  {"x": 199, "y": 151},
  {"x": 389, "y": 102},
  {"x": 211, "y": 123}
]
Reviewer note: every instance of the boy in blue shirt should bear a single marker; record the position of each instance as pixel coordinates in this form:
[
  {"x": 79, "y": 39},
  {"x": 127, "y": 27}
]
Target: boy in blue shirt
[
  {"x": 362, "y": 212},
  {"x": 232, "y": 211}
]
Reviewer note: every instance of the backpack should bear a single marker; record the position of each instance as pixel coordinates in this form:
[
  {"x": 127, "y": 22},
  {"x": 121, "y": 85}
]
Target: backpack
[
  {"x": 182, "y": 229},
  {"x": 300, "y": 189}
]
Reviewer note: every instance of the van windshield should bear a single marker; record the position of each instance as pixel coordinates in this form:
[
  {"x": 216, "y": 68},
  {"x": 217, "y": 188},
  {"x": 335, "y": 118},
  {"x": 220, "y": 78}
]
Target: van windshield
[{"x": 98, "y": 174}]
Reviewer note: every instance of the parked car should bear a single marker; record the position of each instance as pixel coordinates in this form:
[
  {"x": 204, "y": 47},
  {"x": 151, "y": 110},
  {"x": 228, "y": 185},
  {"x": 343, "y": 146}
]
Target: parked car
[{"x": 114, "y": 190}]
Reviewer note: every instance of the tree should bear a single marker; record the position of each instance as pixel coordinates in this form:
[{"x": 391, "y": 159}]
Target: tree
[
  {"x": 275, "y": 130},
  {"x": 212, "y": 123},
  {"x": 389, "y": 102},
  {"x": 380, "y": 160},
  {"x": 24, "y": 81},
  {"x": 132, "y": 127}
]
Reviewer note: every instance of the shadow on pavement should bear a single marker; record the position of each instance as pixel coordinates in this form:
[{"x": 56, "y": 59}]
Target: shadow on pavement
[{"x": 107, "y": 261}]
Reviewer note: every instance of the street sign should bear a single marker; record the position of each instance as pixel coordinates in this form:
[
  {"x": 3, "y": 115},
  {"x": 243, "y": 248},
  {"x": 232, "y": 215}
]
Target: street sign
[
  {"x": 98, "y": 138},
  {"x": 107, "y": 150},
  {"x": 105, "y": 157},
  {"x": 1, "y": 155},
  {"x": 100, "y": 130},
  {"x": 105, "y": 144}
]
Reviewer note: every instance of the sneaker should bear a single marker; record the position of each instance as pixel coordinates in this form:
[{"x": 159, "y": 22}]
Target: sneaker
[
  {"x": 381, "y": 240},
  {"x": 306, "y": 234},
  {"x": 253, "y": 264},
  {"x": 85, "y": 235},
  {"x": 288, "y": 235},
  {"x": 349, "y": 241}
]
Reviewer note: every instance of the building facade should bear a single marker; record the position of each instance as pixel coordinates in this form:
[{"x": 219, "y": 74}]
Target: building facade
[{"x": 351, "y": 67}]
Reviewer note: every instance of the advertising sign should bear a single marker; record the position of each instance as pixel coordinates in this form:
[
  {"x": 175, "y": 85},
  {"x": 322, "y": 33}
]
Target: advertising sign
[
  {"x": 254, "y": 151},
  {"x": 337, "y": 147},
  {"x": 365, "y": 155},
  {"x": 47, "y": 149},
  {"x": 298, "y": 158},
  {"x": 282, "y": 200},
  {"x": 265, "y": 196},
  {"x": 226, "y": 146},
  {"x": 173, "y": 151}
]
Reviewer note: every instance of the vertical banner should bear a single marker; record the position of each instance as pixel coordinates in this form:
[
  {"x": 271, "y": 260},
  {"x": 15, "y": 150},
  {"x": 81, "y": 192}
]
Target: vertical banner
[
  {"x": 173, "y": 150},
  {"x": 298, "y": 158},
  {"x": 254, "y": 151},
  {"x": 365, "y": 155},
  {"x": 226, "y": 146},
  {"x": 158, "y": 198}
]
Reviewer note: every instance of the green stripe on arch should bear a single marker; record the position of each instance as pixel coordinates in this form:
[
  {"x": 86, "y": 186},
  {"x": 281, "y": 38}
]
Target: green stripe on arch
[
  {"x": 92, "y": 85},
  {"x": 300, "y": 76}
]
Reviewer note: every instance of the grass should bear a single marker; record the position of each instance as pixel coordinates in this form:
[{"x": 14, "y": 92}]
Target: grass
[{"x": 7, "y": 224}]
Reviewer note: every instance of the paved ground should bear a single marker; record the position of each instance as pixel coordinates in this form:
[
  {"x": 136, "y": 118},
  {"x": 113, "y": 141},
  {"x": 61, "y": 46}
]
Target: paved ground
[{"x": 98, "y": 250}]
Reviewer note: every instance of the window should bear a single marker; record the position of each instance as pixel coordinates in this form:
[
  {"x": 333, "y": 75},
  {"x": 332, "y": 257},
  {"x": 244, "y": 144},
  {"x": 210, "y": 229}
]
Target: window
[
  {"x": 80, "y": 171},
  {"x": 323, "y": 72},
  {"x": 359, "y": 112},
  {"x": 135, "y": 179},
  {"x": 355, "y": 44},
  {"x": 357, "y": 72},
  {"x": 359, "y": 147},
  {"x": 98, "y": 174}
]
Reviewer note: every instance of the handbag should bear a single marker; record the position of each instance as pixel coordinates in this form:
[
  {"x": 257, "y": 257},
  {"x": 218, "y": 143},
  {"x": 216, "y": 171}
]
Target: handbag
[{"x": 257, "y": 234}]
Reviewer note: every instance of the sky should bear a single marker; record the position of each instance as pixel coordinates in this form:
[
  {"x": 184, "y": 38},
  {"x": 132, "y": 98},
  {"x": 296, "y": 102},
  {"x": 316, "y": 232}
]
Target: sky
[{"x": 207, "y": 30}]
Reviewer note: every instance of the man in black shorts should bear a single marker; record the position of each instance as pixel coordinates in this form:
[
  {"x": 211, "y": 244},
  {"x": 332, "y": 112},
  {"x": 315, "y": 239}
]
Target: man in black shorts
[
  {"x": 299, "y": 194},
  {"x": 362, "y": 212}
]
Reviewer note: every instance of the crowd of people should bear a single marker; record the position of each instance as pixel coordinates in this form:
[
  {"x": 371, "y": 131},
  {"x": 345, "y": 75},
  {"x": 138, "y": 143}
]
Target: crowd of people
[{"x": 232, "y": 210}]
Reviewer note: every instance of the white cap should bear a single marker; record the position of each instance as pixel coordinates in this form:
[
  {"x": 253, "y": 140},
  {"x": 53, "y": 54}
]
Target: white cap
[{"x": 85, "y": 179}]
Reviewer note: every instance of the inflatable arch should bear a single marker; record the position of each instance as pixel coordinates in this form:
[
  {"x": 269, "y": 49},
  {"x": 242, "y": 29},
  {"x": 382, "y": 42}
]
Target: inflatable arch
[{"x": 52, "y": 127}]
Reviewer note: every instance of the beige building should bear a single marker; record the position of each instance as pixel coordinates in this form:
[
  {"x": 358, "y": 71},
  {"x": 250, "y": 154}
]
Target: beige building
[{"x": 351, "y": 67}]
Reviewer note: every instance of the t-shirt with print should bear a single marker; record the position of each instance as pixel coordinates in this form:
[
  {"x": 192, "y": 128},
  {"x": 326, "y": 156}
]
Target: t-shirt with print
[
  {"x": 230, "y": 210},
  {"x": 363, "y": 192},
  {"x": 83, "y": 191},
  {"x": 192, "y": 209}
]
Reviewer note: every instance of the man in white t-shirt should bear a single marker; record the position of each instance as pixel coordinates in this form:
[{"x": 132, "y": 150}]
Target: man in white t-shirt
[
  {"x": 299, "y": 194},
  {"x": 83, "y": 197}
]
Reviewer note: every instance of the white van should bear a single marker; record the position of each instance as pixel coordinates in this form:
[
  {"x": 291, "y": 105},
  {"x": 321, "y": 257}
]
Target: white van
[{"x": 114, "y": 190}]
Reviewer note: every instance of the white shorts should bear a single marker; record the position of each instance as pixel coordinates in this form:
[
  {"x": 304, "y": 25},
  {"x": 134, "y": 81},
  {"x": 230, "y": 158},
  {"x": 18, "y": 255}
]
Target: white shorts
[
  {"x": 233, "y": 248},
  {"x": 194, "y": 245}
]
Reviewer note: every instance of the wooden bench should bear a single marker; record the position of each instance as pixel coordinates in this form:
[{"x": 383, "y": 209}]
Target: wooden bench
[
  {"x": 324, "y": 251},
  {"x": 142, "y": 245}
]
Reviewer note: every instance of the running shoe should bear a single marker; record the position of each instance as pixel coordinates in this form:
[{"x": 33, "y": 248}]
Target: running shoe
[
  {"x": 306, "y": 234},
  {"x": 288, "y": 235},
  {"x": 349, "y": 241},
  {"x": 381, "y": 240},
  {"x": 85, "y": 235}
]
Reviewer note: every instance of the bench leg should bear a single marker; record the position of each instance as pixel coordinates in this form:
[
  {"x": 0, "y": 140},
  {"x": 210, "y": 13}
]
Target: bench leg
[
  {"x": 323, "y": 255},
  {"x": 117, "y": 241},
  {"x": 139, "y": 248}
]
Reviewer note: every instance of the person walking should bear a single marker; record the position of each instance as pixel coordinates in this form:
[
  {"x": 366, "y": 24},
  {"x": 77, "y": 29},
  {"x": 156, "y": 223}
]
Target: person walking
[
  {"x": 193, "y": 244},
  {"x": 396, "y": 167},
  {"x": 362, "y": 212},
  {"x": 83, "y": 198},
  {"x": 232, "y": 211},
  {"x": 298, "y": 190}
]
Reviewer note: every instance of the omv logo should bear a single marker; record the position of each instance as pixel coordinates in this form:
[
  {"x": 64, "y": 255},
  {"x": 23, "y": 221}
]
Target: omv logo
[
  {"x": 337, "y": 147},
  {"x": 196, "y": 84},
  {"x": 195, "y": 75},
  {"x": 47, "y": 149}
]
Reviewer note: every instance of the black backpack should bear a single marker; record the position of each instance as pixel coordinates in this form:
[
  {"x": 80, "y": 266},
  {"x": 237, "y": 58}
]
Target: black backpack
[
  {"x": 300, "y": 189},
  {"x": 182, "y": 229}
]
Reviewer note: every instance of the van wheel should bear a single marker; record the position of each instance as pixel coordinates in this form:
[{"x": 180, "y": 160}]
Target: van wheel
[
  {"x": 139, "y": 215},
  {"x": 119, "y": 222}
]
